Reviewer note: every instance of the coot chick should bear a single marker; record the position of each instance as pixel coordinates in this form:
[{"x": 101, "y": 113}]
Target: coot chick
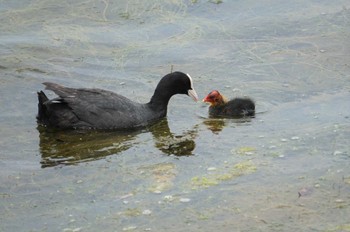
[
  {"x": 235, "y": 108},
  {"x": 101, "y": 109}
]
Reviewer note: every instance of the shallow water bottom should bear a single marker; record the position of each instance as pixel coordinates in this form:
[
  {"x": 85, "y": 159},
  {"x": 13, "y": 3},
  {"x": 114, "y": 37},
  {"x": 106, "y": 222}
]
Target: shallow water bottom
[{"x": 279, "y": 179}]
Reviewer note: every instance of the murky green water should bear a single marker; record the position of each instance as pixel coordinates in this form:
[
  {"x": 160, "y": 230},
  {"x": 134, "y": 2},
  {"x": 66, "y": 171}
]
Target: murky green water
[{"x": 285, "y": 170}]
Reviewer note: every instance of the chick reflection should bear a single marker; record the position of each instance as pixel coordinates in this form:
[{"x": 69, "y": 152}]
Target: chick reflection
[
  {"x": 73, "y": 146},
  {"x": 168, "y": 143},
  {"x": 216, "y": 125}
]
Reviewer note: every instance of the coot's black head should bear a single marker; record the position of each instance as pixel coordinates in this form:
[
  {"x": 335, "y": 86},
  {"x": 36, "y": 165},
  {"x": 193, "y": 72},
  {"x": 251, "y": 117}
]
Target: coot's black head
[{"x": 175, "y": 83}]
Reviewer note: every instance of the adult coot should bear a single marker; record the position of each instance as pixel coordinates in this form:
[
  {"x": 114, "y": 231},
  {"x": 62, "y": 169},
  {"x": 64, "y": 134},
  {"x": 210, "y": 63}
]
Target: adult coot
[
  {"x": 235, "y": 108},
  {"x": 102, "y": 109}
]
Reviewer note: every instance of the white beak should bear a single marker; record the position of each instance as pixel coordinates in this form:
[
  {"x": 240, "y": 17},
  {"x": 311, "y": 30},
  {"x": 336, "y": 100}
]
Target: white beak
[{"x": 192, "y": 93}]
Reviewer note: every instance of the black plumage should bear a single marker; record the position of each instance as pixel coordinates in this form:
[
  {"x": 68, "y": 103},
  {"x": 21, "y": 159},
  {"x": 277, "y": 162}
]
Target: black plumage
[
  {"x": 235, "y": 108},
  {"x": 101, "y": 109}
]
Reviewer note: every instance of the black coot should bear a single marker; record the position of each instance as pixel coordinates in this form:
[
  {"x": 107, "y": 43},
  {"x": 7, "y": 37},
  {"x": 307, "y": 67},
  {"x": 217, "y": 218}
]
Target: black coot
[
  {"x": 101, "y": 109},
  {"x": 235, "y": 108}
]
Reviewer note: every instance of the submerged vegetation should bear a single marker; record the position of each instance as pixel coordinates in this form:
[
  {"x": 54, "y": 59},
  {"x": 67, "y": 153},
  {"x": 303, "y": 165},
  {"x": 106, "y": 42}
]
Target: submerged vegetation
[{"x": 228, "y": 173}]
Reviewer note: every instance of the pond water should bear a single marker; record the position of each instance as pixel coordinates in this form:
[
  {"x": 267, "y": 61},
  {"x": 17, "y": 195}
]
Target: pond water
[{"x": 287, "y": 169}]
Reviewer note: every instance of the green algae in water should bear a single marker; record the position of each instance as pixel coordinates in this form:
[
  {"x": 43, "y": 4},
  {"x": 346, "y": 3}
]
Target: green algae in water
[
  {"x": 204, "y": 182},
  {"x": 244, "y": 151},
  {"x": 132, "y": 212},
  {"x": 344, "y": 227},
  {"x": 245, "y": 167},
  {"x": 239, "y": 169},
  {"x": 347, "y": 180},
  {"x": 163, "y": 175},
  {"x": 225, "y": 176}
]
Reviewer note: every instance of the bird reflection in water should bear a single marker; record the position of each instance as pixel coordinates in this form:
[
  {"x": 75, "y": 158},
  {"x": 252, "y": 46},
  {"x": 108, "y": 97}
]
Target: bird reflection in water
[
  {"x": 69, "y": 147},
  {"x": 216, "y": 124},
  {"x": 168, "y": 143}
]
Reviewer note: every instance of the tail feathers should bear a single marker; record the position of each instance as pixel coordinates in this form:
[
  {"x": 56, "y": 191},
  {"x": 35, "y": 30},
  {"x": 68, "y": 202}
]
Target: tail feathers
[{"x": 42, "y": 110}]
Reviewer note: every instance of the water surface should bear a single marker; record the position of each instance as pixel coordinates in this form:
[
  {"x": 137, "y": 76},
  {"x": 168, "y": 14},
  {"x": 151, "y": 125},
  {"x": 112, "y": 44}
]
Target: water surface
[{"x": 287, "y": 169}]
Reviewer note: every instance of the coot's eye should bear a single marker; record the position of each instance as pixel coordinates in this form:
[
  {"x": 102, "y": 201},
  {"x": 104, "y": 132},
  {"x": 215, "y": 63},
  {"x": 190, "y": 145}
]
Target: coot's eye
[{"x": 212, "y": 96}]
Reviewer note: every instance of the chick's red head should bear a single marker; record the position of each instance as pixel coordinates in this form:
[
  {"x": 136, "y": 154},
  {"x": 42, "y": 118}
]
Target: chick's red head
[{"x": 214, "y": 98}]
